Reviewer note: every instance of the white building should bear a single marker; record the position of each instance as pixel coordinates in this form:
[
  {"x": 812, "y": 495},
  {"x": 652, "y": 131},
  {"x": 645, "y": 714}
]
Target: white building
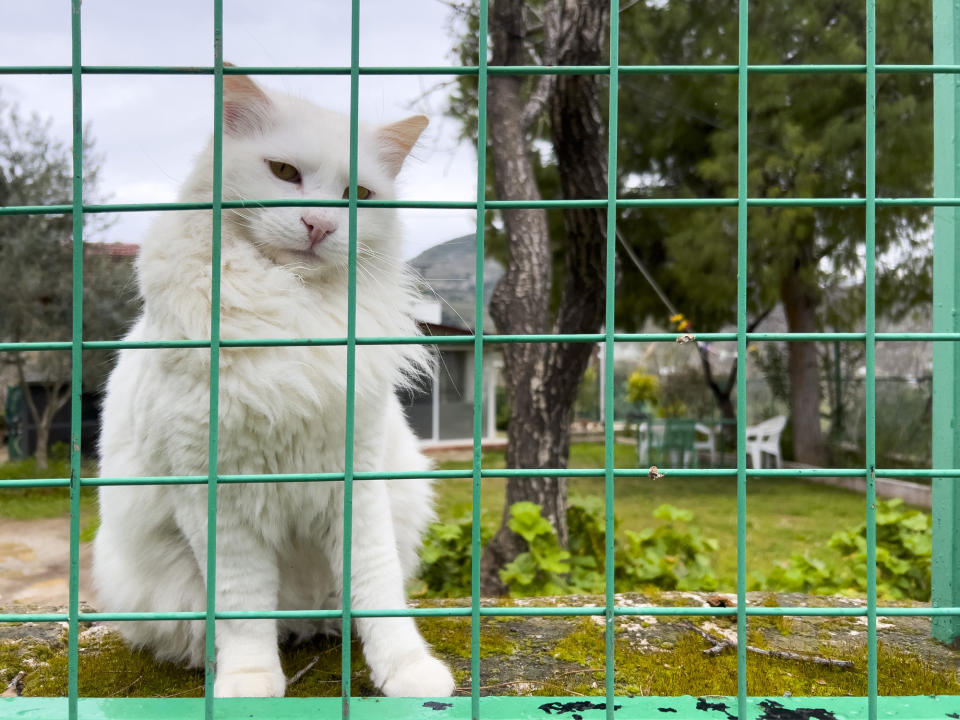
[{"x": 442, "y": 412}]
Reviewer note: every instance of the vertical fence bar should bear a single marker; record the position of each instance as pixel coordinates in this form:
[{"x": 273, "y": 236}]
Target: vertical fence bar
[
  {"x": 210, "y": 650},
  {"x": 347, "y": 619},
  {"x": 946, "y": 318},
  {"x": 76, "y": 371},
  {"x": 478, "y": 306},
  {"x": 743, "y": 13},
  {"x": 870, "y": 292},
  {"x": 608, "y": 346}
]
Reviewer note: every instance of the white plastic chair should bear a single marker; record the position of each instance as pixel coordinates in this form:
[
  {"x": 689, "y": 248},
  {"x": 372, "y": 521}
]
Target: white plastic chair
[
  {"x": 765, "y": 438},
  {"x": 649, "y": 436},
  {"x": 705, "y": 441}
]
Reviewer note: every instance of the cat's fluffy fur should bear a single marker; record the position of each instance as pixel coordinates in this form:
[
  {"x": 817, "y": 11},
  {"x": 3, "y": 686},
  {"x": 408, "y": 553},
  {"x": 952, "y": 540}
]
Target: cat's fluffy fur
[{"x": 281, "y": 409}]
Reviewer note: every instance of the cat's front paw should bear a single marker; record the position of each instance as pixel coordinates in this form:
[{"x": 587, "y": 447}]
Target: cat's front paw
[
  {"x": 426, "y": 677},
  {"x": 250, "y": 683}
]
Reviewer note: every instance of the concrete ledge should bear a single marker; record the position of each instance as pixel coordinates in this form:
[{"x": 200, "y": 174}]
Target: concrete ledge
[{"x": 671, "y": 652}]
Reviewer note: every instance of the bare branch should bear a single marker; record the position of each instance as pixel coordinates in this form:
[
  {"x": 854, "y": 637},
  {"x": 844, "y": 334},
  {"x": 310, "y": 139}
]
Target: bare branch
[
  {"x": 538, "y": 99},
  {"x": 753, "y": 324},
  {"x": 720, "y": 645},
  {"x": 303, "y": 671},
  {"x": 547, "y": 83}
]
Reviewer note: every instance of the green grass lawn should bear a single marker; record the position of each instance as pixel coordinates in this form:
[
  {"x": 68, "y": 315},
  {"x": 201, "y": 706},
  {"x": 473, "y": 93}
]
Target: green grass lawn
[
  {"x": 784, "y": 516},
  {"x": 39, "y": 503}
]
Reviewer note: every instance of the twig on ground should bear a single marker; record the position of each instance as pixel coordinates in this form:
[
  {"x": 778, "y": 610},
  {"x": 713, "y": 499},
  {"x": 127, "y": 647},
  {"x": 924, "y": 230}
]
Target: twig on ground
[
  {"x": 303, "y": 671},
  {"x": 124, "y": 690},
  {"x": 720, "y": 645},
  {"x": 584, "y": 670},
  {"x": 15, "y": 688}
]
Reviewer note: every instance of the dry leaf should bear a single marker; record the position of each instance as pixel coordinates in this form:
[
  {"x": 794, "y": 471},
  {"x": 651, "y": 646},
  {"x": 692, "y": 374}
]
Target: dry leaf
[{"x": 720, "y": 601}]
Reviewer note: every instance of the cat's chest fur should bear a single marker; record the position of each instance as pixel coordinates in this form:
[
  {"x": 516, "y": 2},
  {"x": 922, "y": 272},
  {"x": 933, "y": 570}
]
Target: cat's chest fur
[{"x": 282, "y": 409}]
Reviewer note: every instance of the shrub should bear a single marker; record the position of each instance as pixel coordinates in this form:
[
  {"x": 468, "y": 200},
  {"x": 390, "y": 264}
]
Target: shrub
[
  {"x": 543, "y": 568},
  {"x": 445, "y": 556},
  {"x": 671, "y": 555},
  {"x": 903, "y": 559}
]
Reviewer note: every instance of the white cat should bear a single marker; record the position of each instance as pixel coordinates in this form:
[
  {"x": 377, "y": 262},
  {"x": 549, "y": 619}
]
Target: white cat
[{"x": 281, "y": 409}]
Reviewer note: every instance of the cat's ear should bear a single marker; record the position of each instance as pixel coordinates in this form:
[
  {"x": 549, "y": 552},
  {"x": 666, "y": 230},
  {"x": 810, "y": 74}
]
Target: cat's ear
[
  {"x": 396, "y": 140},
  {"x": 246, "y": 108}
]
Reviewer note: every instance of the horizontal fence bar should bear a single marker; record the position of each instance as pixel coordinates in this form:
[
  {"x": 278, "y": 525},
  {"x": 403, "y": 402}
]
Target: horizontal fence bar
[
  {"x": 760, "y": 69},
  {"x": 468, "y": 339},
  {"x": 494, "y": 707},
  {"x": 552, "y": 611},
  {"x": 625, "y": 473},
  {"x": 584, "y": 203}
]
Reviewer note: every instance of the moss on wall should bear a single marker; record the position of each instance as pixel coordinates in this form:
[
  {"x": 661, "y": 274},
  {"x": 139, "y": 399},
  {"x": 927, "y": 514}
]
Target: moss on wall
[{"x": 544, "y": 656}]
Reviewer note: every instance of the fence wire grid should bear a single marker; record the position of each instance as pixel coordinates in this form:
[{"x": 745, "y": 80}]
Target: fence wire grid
[{"x": 945, "y": 612}]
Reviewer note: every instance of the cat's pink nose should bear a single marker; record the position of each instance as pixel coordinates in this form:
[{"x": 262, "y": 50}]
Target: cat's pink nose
[{"x": 319, "y": 225}]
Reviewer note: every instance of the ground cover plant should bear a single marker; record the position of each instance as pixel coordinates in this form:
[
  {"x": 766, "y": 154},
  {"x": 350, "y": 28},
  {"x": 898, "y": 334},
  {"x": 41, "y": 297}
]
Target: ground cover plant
[{"x": 785, "y": 516}]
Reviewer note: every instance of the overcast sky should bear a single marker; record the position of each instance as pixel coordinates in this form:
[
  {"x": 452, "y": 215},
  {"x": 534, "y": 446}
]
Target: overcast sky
[{"x": 149, "y": 128}]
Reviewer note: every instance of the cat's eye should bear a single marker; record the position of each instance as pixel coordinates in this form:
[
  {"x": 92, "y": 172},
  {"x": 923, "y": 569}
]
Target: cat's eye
[
  {"x": 362, "y": 193},
  {"x": 284, "y": 171}
]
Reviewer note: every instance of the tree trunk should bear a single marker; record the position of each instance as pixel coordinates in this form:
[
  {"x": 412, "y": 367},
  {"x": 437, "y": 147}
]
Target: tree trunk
[
  {"x": 542, "y": 379},
  {"x": 43, "y": 440},
  {"x": 803, "y": 363},
  {"x": 519, "y": 303},
  {"x": 722, "y": 393},
  {"x": 56, "y": 396}
]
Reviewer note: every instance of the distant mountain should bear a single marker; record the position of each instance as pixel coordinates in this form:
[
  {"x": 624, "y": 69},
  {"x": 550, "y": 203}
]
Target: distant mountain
[{"x": 448, "y": 274}]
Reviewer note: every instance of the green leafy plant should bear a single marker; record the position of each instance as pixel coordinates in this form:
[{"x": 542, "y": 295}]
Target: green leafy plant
[
  {"x": 903, "y": 559},
  {"x": 543, "y": 568},
  {"x": 445, "y": 556},
  {"x": 587, "y": 542},
  {"x": 672, "y": 556}
]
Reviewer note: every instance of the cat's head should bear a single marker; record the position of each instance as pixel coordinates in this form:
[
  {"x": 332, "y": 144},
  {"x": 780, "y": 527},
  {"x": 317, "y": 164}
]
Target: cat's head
[{"x": 278, "y": 146}]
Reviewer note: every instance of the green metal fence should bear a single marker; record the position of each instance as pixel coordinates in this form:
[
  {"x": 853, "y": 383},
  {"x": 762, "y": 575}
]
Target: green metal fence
[{"x": 946, "y": 606}]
